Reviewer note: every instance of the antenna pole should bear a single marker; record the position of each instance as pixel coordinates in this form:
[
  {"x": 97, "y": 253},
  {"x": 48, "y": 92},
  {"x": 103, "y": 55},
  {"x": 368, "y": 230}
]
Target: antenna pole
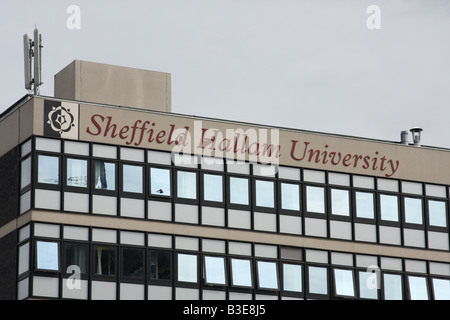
[{"x": 32, "y": 55}]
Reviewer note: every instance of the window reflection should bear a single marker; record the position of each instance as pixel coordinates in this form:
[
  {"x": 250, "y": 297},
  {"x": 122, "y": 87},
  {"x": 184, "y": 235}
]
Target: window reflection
[
  {"x": 267, "y": 275},
  {"x": 318, "y": 280},
  {"x": 437, "y": 213},
  {"x": 392, "y": 286},
  {"x": 364, "y": 205},
  {"x": 389, "y": 207},
  {"x": 213, "y": 187},
  {"x": 241, "y": 272},
  {"x": 292, "y": 277},
  {"x": 367, "y": 289},
  {"x": 315, "y": 199},
  {"x": 132, "y": 178},
  {"x": 344, "y": 282},
  {"x": 48, "y": 169},
  {"x": 413, "y": 210},
  {"x": 215, "y": 270},
  {"x": 133, "y": 262},
  {"x": 77, "y": 173},
  {"x": 105, "y": 175},
  {"x": 25, "y": 172},
  {"x": 340, "y": 202},
  {"x": 265, "y": 193},
  {"x": 290, "y": 196},
  {"x": 441, "y": 289},
  {"x": 239, "y": 190},
  {"x": 187, "y": 184},
  {"x": 47, "y": 255},
  {"x": 418, "y": 288},
  {"x": 160, "y": 182},
  {"x": 187, "y": 267}
]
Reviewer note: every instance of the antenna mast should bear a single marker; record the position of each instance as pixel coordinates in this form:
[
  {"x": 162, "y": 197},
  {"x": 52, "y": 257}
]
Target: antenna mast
[{"x": 33, "y": 57}]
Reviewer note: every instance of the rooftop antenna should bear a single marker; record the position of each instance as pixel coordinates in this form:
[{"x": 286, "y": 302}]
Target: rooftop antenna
[{"x": 32, "y": 61}]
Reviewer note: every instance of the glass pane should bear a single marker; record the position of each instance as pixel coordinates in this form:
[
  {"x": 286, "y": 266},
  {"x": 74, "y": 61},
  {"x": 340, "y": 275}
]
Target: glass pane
[
  {"x": 187, "y": 267},
  {"x": 290, "y": 196},
  {"x": 187, "y": 185},
  {"x": 413, "y": 210},
  {"x": 437, "y": 213},
  {"x": 241, "y": 272},
  {"x": 292, "y": 277},
  {"x": 213, "y": 187},
  {"x": 441, "y": 288},
  {"x": 160, "y": 265},
  {"x": 76, "y": 254},
  {"x": 239, "y": 190},
  {"x": 48, "y": 169},
  {"x": 105, "y": 175},
  {"x": 367, "y": 289},
  {"x": 389, "y": 207},
  {"x": 267, "y": 275},
  {"x": 392, "y": 287},
  {"x": 265, "y": 193},
  {"x": 160, "y": 182},
  {"x": 344, "y": 283},
  {"x": 104, "y": 261},
  {"x": 77, "y": 173},
  {"x": 132, "y": 178},
  {"x": 364, "y": 205},
  {"x": 133, "y": 262},
  {"x": 315, "y": 199},
  {"x": 25, "y": 172},
  {"x": 318, "y": 280},
  {"x": 47, "y": 256},
  {"x": 418, "y": 288},
  {"x": 340, "y": 202},
  {"x": 215, "y": 270}
]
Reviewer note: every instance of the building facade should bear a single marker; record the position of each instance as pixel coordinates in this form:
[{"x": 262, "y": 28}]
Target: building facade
[{"x": 107, "y": 194}]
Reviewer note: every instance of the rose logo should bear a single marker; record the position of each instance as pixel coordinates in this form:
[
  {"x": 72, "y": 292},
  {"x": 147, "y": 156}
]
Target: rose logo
[{"x": 60, "y": 119}]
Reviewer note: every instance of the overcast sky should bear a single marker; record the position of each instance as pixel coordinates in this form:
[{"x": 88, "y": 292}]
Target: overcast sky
[{"x": 306, "y": 64}]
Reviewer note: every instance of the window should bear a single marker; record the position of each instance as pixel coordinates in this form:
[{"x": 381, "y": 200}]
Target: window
[
  {"x": 215, "y": 271},
  {"x": 239, "y": 191},
  {"x": 104, "y": 261},
  {"x": 105, "y": 175},
  {"x": 368, "y": 285},
  {"x": 389, "y": 207},
  {"x": 25, "y": 172},
  {"x": 265, "y": 193},
  {"x": 47, "y": 256},
  {"x": 76, "y": 254},
  {"x": 340, "y": 202},
  {"x": 267, "y": 275},
  {"x": 292, "y": 277},
  {"x": 315, "y": 199},
  {"x": 187, "y": 184},
  {"x": 418, "y": 288},
  {"x": 437, "y": 213},
  {"x": 413, "y": 210},
  {"x": 290, "y": 196},
  {"x": 48, "y": 169},
  {"x": 160, "y": 265},
  {"x": 213, "y": 187},
  {"x": 441, "y": 289},
  {"x": 241, "y": 273},
  {"x": 187, "y": 268},
  {"x": 133, "y": 263},
  {"x": 76, "y": 175},
  {"x": 318, "y": 280},
  {"x": 132, "y": 178},
  {"x": 364, "y": 205},
  {"x": 392, "y": 287},
  {"x": 344, "y": 282},
  {"x": 160, "y": 182}
]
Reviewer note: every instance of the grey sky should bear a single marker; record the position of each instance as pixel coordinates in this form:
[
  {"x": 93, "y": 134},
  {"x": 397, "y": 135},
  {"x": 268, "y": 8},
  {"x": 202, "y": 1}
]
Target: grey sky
[{"x": 306, "y": 64}]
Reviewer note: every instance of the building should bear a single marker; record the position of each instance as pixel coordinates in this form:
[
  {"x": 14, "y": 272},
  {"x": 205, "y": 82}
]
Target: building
[{"x": 107, "y": 194}]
